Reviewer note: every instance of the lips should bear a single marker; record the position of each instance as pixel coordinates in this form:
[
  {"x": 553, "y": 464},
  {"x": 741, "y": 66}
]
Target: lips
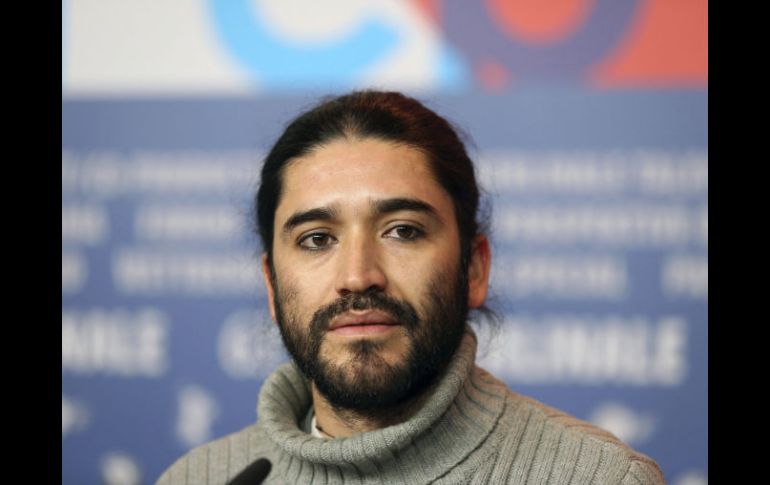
[{"x": 367, "y": 318}]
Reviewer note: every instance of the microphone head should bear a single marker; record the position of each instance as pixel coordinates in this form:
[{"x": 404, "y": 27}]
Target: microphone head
[{"x": 253, "y": 474}]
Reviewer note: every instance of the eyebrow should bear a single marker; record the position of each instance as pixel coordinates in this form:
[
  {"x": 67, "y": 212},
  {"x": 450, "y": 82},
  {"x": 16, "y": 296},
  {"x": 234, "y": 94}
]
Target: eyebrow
[
  {"x": 316, "y": 214},
  {"x": 386, "y": 206},
  {"x": 380, "y": 207}
]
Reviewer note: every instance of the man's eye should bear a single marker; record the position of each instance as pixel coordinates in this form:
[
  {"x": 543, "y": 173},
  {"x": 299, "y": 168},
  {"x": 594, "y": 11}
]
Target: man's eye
[
  {"x": 407, "y": 233},
  {"x": 315, "y": 241}
]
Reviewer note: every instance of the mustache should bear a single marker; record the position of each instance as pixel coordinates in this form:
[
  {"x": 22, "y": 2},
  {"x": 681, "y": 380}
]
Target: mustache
[{"x": 401, "y": 311}]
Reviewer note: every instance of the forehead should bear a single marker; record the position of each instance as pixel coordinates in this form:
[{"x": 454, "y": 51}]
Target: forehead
[{"x": 347, "y": 172}]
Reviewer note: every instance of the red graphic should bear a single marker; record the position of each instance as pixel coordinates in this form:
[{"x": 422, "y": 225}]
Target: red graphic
[
  {"x": 429, "y": 8},
  {"x": 532, "y": 21},
  {"x": 664, "y": 46}
]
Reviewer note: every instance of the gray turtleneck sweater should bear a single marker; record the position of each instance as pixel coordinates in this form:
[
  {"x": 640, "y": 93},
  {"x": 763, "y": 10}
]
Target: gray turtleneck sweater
[{"x": 472, "y": 429}]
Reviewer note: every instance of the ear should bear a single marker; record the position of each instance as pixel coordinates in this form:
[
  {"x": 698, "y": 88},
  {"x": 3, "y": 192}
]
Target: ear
[
  {"x": 478, "y": 271},
  {"x": 269, "y": 285}
]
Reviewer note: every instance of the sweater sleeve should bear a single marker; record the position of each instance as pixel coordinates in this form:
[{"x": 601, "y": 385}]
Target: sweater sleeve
[
  {"x": 176, "y": 474},
  {"x": 213, "y": 463},
  {"x": 643, "y": 472}
]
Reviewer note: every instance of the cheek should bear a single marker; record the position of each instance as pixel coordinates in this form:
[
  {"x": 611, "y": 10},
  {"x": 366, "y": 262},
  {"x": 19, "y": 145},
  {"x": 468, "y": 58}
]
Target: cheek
[
  {"x": 297, "y": 302},
  {"x": 417, "y": 279},
  {"x": 286, "y": 296}
]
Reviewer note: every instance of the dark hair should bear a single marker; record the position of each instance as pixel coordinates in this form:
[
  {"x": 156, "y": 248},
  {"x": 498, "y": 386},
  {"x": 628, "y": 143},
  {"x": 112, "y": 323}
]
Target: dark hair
[{"x": 388, "y": 116}]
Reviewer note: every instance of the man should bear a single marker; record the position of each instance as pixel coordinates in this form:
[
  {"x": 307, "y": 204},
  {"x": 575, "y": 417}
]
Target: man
[{"x": 373, "y": 259}]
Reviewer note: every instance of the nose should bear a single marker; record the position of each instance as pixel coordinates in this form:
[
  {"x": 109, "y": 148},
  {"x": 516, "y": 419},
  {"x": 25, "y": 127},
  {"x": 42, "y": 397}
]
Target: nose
[{"x": 359, "y": 269}]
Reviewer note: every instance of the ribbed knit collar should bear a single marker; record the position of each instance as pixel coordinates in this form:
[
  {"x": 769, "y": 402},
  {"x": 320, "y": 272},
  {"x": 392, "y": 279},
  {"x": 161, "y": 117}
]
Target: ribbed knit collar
[{"x": 461, "y": 412}]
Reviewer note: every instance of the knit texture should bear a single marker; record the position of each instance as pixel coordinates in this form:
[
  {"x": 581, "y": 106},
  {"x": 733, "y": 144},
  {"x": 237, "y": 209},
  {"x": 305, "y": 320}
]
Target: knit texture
[{"x": 472, "y": 429}]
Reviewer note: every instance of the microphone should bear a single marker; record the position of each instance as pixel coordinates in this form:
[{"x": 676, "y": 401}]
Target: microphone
[{"x": 253, "y": 474}]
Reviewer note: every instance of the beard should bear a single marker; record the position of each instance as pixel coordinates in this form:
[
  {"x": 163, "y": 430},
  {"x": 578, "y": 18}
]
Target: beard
[{"x": 364, "y": 382}]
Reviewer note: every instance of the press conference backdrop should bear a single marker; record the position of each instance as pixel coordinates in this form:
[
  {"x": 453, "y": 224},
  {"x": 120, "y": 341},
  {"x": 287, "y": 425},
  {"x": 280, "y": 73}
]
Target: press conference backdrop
[{"x": 589, "y": 127}]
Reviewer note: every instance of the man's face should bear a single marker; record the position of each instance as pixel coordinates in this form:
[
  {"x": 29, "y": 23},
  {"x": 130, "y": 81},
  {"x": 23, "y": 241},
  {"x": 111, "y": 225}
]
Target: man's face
[{"x": 366, "y": 280}]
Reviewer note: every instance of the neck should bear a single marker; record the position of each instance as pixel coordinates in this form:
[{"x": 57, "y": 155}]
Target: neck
[{"x": 338, "y": 422}]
